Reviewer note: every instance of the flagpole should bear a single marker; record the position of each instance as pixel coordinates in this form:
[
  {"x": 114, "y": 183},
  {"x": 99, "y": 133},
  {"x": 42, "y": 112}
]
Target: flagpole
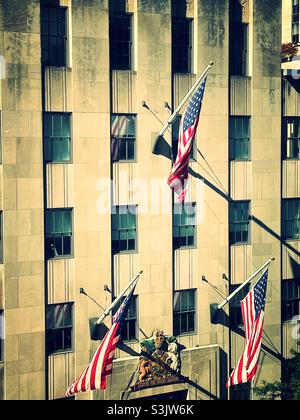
[
  {"x": 252, "y": 390},
  {"x": 229, "y": 298},
  {"x": 117, "y": 300},
  {"x": 176, "y": 112}
]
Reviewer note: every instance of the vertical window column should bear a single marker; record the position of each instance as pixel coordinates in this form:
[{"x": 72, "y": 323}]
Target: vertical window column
[
  {"x": 124, "y": 229},
  {"x": 290, "y": 299},
  {"x": 54, "y": 35},
  {"x": 291, "y": 138},
  {"x": 239, "y": 138},
  {"x": 184, "y": 312},
  {"x": 291, "y": 219},
  {"x": 57, "y": 137},
  {"x": 239, "y": 214},
  {"x": 295, "y": 21},
  {"x": 59, "y": 328},
  {"x": 182, "y": 35},
  {"x": 239, "y": 38},
  {"x": 59, "y": 233},
  {"x": 184, "y": 225},
  {"x": 123, "y": 138},
  {"x": 120, "y": 35}
]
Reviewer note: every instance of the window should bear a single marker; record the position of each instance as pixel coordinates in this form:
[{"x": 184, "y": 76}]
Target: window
[
  {"x": 235, "y": 312},
  {"x": 239, "y": 138},
  {"x": 129, "y": 328},
  {"x": 57, "y": 137},
  {"x": 1, "y": 335},
  {"x": 121, "y": 41},
  {"x": 184, "y": 225},
  {"x": 59, "y": 227},
  {"x": 123, "y": 138},
  {"x": 239, "y": 33},
  {"x": 291, "y": 218},
  {"x": 175, "y": 134},
  {"x": 182, "y": 45},
  {"x": 54, "y": 35},
  {"x": 59, "y": 327},
  {"x": 291, "y": 138},
  {"x": 184, "y": 312},
  {"x": 290, "y": 299},
  {"x": 239, "y": 49},
  {"x": 239, "y": 214},
  {"x": 295, "y": 21},
  {"x": 124, "y": 229}
]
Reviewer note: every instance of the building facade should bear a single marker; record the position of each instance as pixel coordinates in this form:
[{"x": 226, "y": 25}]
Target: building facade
[{"x": 85, "y": 202}]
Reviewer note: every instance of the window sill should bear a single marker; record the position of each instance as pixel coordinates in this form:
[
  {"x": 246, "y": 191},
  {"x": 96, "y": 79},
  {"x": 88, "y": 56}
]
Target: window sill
[
  {"x": 240, "y": 160},
  {"x": 61, "y": 353},
  {"x": 291, "y": 159},
  {"x": 186, "y": 335},
  {"x": 56, "y": 67},
  {"x": 240, "y": 244},
  {"x": 131, "y": 342},
  {"x": 125, "y": 71},
  {"x": 59, "y": 163},
  {"x": 290, "y": 240},
  {"x": 125, "y": 161},
  {"x": 125, "y": 253},
  {"x": 184, "y": 73},
  {"x": 70, "y": 257},
  {"x": 185, "y": 248}
]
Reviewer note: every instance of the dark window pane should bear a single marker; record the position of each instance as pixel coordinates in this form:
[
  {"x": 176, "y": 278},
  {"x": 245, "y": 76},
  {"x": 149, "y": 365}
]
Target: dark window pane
[
  {"x": 184, "y": 225},
  {"x": 123, "y": 137},
  {"x": 290, "y": 299},
  {"x": 59, "y": 326},
  {"x": 53, "y": 31},
  {"x": 124, "y": 229},
  {"x": 239, "y": 137},
  {"x": 238, "y": 37},
  {"x": 57, "y": 137},
  {"x": 182, "y": 45},
  {"x": 129, "y": 328},
  {"x": 291, "y": 138},
  {"x": 184, "y": 312},
  {"x": 290, "y": 222},
  {"x": 239, "y": 214},
  {"x": 58, "y": 241},
  {"x": 121, "y": 41}
]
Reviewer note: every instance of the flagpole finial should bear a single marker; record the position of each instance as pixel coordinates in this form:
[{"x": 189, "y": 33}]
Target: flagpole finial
[
  {"x": 273, "y": 259},
  {"x": 211, "y": 63},
  {"x": 141, "y": 272}
]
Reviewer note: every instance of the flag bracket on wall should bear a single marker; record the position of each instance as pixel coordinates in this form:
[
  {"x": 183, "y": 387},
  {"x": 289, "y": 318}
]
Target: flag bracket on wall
[{"x": 216, "y": 310}]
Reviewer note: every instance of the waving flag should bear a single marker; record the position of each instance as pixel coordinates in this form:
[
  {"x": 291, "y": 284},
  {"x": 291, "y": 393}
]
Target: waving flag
[
  {"x": 94, "y": 376},
  {"x": 253, "y": 310},
  {"x": 187, "y": 130}
]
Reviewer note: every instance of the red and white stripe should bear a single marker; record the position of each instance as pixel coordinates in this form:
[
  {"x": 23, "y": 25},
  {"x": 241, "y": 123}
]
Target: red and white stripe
[
  {"x": 95, "y": 375},
  {"x": 119, "y": 126},
  {"x": 247, "y": 365},
  {"x": 179, "y": 174}
]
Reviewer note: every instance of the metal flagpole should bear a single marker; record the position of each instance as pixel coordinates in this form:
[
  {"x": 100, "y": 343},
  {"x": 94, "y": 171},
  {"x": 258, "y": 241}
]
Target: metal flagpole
[
  {"x": 176, "y": 112},
  {"x": 117, "y": 300},
  {"x": 252, "y": 390},
  {"x": 229, "y": 298}
]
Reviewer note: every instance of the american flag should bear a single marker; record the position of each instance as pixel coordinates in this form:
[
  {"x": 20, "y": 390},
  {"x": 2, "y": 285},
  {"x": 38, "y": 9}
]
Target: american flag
[
  {"x": 253, "y": 310},
  {"x": 187, "y": 130},
  {"x": 95, "y": 375}
]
